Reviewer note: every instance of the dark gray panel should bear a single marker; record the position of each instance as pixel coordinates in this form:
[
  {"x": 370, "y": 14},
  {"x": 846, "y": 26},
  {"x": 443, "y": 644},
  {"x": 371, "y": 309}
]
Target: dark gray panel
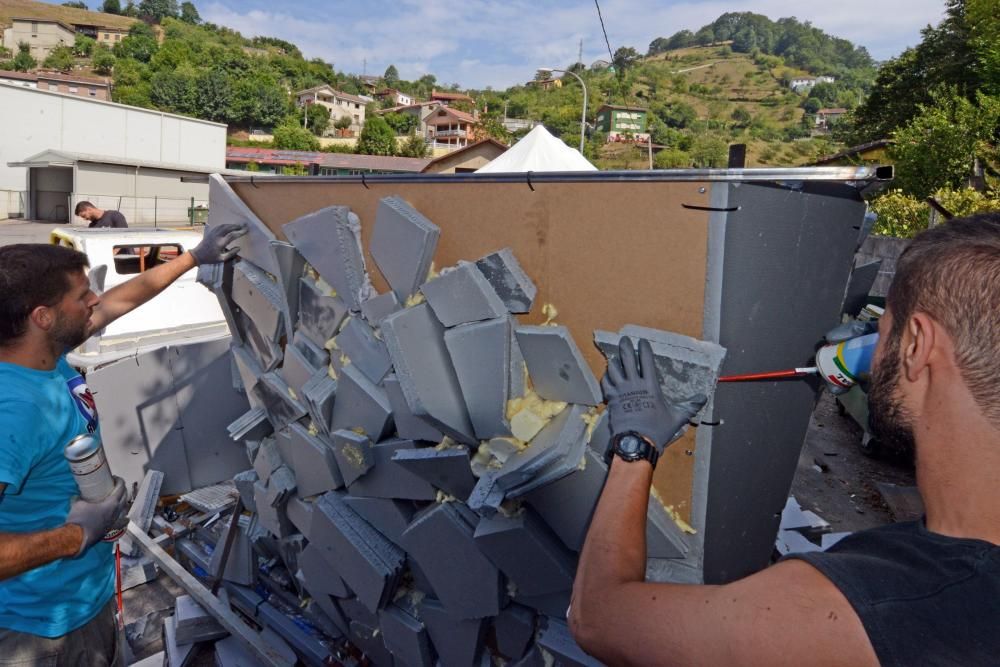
[{"x": 788, "y": 255}]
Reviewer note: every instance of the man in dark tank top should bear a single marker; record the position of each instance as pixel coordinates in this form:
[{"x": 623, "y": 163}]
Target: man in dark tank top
[{"x": 918, "y": 593}]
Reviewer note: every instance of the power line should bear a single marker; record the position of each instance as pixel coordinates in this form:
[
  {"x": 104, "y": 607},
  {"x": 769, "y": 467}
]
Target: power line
[{"x": 604, "y": 30}]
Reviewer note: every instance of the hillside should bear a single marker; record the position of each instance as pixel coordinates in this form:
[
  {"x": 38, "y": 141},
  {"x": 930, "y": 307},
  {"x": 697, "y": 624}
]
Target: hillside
[{"x": 28, "y": 9}]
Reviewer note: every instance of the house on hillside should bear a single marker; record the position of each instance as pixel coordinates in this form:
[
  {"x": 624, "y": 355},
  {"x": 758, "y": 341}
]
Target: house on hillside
[
  {"x": 69, "y": 84},
  {"x": 420, "y": 110},
  {"x": 802, "y": 84},
  {"x": 827, "y": 117},
  {"x": 623, "y": 123},
  {"x": 452, "y": 127},
  {"x": 340, "y": 104},
  {"x": 42, "y": 35},
  {"x": 467, "y": 160},
  {"x": 396, "y": 97},
  {"x": 370, "y": 81},
  {"x": 275, "y": 161},
  {"x": 103, "y": 34},
  {"x": 449, "y": 99},
  {"x": 546, "y": 84}
]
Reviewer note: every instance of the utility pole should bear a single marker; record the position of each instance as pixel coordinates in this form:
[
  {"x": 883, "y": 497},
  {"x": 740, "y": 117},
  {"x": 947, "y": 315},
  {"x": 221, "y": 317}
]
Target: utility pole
[{"x": 579, "y": 55}]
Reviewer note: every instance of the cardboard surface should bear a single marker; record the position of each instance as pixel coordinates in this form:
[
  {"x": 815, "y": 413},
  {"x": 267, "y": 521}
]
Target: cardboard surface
[{"x": 604, "y": 254}]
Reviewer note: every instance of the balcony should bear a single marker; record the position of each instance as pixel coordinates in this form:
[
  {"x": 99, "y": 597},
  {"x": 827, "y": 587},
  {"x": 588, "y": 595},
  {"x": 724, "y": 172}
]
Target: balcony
[{"x": 461, "y": 134}]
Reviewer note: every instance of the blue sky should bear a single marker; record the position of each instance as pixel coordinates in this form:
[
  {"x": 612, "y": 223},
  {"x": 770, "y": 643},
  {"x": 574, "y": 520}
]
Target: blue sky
[{"x": 479, "y": 43}]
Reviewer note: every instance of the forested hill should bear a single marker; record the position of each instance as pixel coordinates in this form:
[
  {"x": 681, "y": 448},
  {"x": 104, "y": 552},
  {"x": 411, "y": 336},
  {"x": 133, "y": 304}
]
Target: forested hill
[{"x": 799, "y": 44}]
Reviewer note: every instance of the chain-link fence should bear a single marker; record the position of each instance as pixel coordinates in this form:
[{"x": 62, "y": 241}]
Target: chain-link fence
[
  {"x": 13, "y": 204},
  {"x": 148, "y": 211}
]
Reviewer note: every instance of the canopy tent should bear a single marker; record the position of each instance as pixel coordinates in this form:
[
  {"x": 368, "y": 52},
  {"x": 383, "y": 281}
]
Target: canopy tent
[{"x": 538, "y": 151}]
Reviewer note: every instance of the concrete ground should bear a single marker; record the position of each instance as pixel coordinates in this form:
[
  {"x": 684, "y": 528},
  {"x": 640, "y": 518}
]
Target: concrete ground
[{"x": 25, "y": 231}]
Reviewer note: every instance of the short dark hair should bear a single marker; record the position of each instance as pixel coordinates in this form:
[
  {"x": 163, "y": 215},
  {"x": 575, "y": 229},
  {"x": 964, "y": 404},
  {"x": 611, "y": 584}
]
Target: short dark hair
[
  {"x": 82, "y": 206},
  {"x": 32, "y": 275},
  {"x": 952, "y": 273}
]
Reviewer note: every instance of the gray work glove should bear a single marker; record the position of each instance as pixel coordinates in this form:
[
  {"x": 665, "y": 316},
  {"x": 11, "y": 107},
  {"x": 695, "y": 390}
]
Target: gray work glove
[
  {"x": 636, "y": 402},
  {"x": 213, "y": 246},
  {"x": 96, "y": 519}
]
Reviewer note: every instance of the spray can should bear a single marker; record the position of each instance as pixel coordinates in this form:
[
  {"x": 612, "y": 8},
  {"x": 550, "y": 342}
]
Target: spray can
[
  {"x": 91, "y": 471},
  {"x": 843, "y": 363}
]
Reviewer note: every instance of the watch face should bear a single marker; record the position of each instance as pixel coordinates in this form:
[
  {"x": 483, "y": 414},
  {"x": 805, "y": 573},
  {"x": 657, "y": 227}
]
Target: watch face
[{"x": 629, "y": 444}]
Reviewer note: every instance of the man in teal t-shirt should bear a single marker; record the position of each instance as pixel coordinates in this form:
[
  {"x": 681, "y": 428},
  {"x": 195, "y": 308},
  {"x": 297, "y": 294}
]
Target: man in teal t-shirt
[{"x": 56, "y": 575}]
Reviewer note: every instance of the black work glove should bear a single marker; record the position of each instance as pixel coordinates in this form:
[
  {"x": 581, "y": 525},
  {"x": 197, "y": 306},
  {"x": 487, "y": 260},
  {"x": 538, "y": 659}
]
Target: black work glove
[
  {"x": 212, "y": 248},
  {"x": 96, "y": 519},
  {"x": 636, "y": 402}
]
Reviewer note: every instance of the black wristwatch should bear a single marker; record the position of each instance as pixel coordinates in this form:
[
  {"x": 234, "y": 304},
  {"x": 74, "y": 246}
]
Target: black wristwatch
[{"x": 632, "y": 446}]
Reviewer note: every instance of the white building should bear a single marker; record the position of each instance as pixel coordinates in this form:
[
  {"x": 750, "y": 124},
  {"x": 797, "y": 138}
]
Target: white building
[
  {"x": 806, "y": 83},
  {"x": 57, "y": 133},
  {"x": 340, "y": 105},
  {"x": 41, "y": 36}
]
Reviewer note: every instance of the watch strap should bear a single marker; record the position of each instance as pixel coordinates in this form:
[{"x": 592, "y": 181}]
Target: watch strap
[{"x": 647, "y": 451}]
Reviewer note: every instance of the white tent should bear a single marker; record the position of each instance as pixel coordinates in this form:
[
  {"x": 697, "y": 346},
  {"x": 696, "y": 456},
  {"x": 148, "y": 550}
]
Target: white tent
[{"x": 538, "y": 151}]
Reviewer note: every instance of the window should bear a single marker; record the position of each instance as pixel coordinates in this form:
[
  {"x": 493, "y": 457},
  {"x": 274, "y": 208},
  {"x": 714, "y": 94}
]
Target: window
[
  {"x": 132, "y": 259},
  {"x": 73, "y": 89},
  {"x": 93, "y": 91},
  {"x": 118, "y": 36},
  {"x": 34, "y": 28}
]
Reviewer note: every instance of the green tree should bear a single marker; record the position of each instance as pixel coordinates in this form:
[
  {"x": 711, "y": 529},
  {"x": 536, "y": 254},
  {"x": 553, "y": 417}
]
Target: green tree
[
  {"x": 342, "y": 123},
  {"x": 189, "y": 13},
  {"x": 76, "y": 5},
  {"x": 939, "y": 147},
  {"x": 414, "y": 146},
  {"x": 138, "y": 47},
  {"x": 293, "y": 137},
  {"x": 111, "y": 7},
  {"x": 130, "y": 9},
  {"x": 174, "y": 90},
  {"x": 103, "y": 61},
  {"x": 391, "y": 76},
  {"x": 812, "y": 105},
  {"x": 491, "y": 124},
  {"x": 401, "y": 123},
  {"x": 214, "y": 96},
  {"x": 157, "y": 10},
  {"x": 377, "y": 138},
  {"x": 671, "y": 158},
  {"x": 23, "y": 61},
  {"x": 84, "y": 46},
  {"x": 318, "y": 119},
  {"x": 624, "y": 58},
  {"x": 709, "y": 151},
  {"x": 741, "y": 117},
  {"x": 60, "y": 58}
]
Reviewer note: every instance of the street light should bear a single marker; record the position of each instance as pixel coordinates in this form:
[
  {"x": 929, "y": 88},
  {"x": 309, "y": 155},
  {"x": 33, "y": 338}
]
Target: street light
[{"x": 583, "y": 118}]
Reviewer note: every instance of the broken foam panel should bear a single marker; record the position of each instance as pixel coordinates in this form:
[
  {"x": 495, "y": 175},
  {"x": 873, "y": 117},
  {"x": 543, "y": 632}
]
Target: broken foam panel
[
  {"x": 312, "y": 460},
  {"x": 441, "y": 540},
  {"x": 361, "y": 405},
  {"x": 260, "y": 298},
  {"x": 402, "y": 244},
  {"x": 527, "y": 552},
  {"x": 556, "y": 366},
  {"x": 330, "y": 240},
  {"x": 228, "y": 207},
  {"x": 480, "y": 354},
  {"x": 353, "y": 453},
  {"x": 367, "y": 353},
  {"x": 457, "y": 641},
  {"x": 461, "y": 294},
  {"x": 430, "y": 386},
  {"x": 406, "y": 637},
  {"x": 446, "y": 469},
  {"x": 408, "y": 425},
  {"x": 504, "y": 273},
  {"x": 388, "y": 479},
  {"x": 320, "y": 313}
]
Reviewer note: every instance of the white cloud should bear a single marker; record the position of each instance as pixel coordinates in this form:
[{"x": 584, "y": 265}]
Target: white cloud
[{"x": 483, "y": 42}]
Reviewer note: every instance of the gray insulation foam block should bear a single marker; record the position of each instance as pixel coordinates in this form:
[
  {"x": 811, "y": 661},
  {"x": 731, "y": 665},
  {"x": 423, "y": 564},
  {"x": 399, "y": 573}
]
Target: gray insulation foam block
[
  {"x": 320, "y": 314},
  {"x": 403, "y": 243},
  {"x": 361, "y": 404},
  {"x": 408, "y": 425},
  {"x": 557, "y": 369},
  {"x": 686, "y": 366},
  {"x": 445, "y": 469},
  {"x": 366, "y": 351},
  {"x": 315, "y": 355},
  {"x": 319, "y": 395},
  {"x": 244, "y": 482},
  {"x": 227, "y": 207},
  {"x": 267, "y": 459},
  {"x": 291, "y": 264},
  {"x": 568, "y": 505},
  {"x": 353, "y": 453},
  {"x": 405, "y": 637},
  {"x": 260, "y": 298},
  {"x": 312, "y": 460},
  {"x": 553, "y": 443},
  {"x": 279, "y": 400},
  {"x": 555, "y": 637},
  {"x": 441, "y": 540},
  {"x": 249, "y": 370},
  {"x": 295, "y": 369},
  {"x": 513, "y": 628},
  {"x": 330, "y": 240},
  {"x": 300, "y": 514},
  {"x": 415, "y": 339},
  {"x": 193, "y": 623},
  {"x": 462, "y": 294},
  {"x": 508, "y": 280},
  {"x": 368, "y": 562},
  {"x": 388, "y": 479},
  {"x": 389, "y": 517},
  {"x": 380, "y": 307},
  {"x": 480, "y": 353},
  {"x": 457, "y": 641},
  {"x": 319, "y": 577},
  {"x": 527, "y": 552}
]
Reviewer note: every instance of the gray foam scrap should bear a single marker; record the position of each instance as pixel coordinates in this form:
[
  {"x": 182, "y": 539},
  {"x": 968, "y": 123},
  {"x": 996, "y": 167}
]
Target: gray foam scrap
[
  {"x": 300, "y": 514},
  {"x": 509, "y": 280},
  {"x": 480, "y": 353},
  {"x": 389, "y": 517},
  {"x": 315, "y": 355},
  {"x": 366, "y": 351},
  {"x": 361, "y": 404},
  {"x": 295, "y": 369},
  {"x": 524, "y": 549},
  {"x": 552, "y": 443},
  {"x": 267, "y": 351},
  {"x": 556, "y": 366},
  {"x": 446, "y": 469},
  {"x": 320, "y": 394},
  {"x": 389, "y": 479},
  {"x": 415, "y": 339},
  {"x": 267, "y": 460},
  {"x": 291, "y": 265},
  {"x": 313, "y": 461},
  {"x": 279, "y": 400},
  {"x": 380, "y": 307},
  {"x": 514, "y": 628},
  {"x": 330, "y": 240},
  {"x": 280, "y": 486},
  {"x": 405, "y": 637},
  {"x": 252, "y": 425},
  {"x": 402, "y": 244},
  {"x": 228, "y": 207},
  {"x": 244, "y": 482},
  {"x": 273, "y": 519},
  {"x": 555, "y": 637},
  {"x": 457, "y": 641},
  {"x": 260, "y": 298},
  {"x": 568, "y": 505},
  {"x": 686, "y": 366},
  {"x": 462, "y": 294},
  {"x": 320, "y": 314},
  {"x": 353, "y": 453},
  {"x": 408, "y": 425}
]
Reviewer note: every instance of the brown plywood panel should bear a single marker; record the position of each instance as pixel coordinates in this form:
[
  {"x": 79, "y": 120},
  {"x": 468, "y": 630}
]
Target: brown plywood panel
[{"x": 604, "y": 254}]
